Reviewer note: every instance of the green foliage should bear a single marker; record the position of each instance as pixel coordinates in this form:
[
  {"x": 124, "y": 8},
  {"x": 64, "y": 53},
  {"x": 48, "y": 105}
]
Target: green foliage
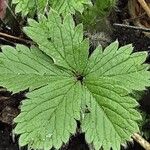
[
  {"x": 103, "y": 7},
  {"x": 97, "y": 13},
  {"x": 28, "y": 6},
  {"x": 69, "y": 6},
  {"x": 61, "y": 6},
  {"x": 60, "y": 91}
]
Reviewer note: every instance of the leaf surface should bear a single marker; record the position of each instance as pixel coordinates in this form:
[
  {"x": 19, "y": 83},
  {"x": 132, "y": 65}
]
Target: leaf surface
[
  {"x": 66, "y": 84},
  {"x": 69, "y": 6},
  {"x": 61, "y": 6},
  {"x": 111, "y": 75},
  {"x": 30, "y": 7},
  {"x": 48, "y": 118},
  {"x": 61, "y": 41},
  {"x": 22, "y": 68}
]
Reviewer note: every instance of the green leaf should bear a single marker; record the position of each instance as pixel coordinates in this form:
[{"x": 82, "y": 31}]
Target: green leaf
[
  {"x": 69, "y": 6},
  {"x": 66, "y": 84},
  {"x": 22, "y": 68},
  {"x": 48, "y": 117},
  {"x": 30, "y": 7},
  {"x": 62, "y": 6},
  {"x": 120, "y": 66},
  {"x": 110, "y": 77},
  {"x": 61, "y": 41},
  {"x": 54, "y": 98},
  {"x": 112, "y": 119}
]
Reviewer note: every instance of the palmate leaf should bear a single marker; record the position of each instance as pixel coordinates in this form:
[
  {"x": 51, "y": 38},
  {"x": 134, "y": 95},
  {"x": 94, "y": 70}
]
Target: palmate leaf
[
  {"x": 63, "y": 42},
  {"x": 62, "y": 6},
  {"x": 54, "y": 96},
  {"x": 111, "y": 76},
  {"x": 94, "y": 90}
]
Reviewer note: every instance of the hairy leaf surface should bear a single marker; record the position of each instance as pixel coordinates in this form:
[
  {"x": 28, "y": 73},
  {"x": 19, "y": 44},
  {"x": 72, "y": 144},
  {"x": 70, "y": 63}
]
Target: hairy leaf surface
[
  {"x": 63, "y": 42},
  {"x": 61, "y": 6},
  {"x": 30, "y": 7},
  {"x": 48, "y": 118},
  {"x": 69, "y": 6},
  {"x": 22, "y": 68},
  {"x": 66, "y": 84},
  {"x": 110, "y": 76}
]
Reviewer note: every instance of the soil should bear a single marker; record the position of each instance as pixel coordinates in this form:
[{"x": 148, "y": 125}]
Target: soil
[{"x": 9, "y": 103}]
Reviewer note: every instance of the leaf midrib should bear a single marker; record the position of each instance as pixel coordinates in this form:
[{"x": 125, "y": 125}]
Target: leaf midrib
[{"x": 107, "y": 116}]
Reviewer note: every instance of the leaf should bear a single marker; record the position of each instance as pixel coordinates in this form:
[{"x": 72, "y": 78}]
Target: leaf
[
  {"x": 69, "y": 6},
  {"x": 48, "y": 117},
  {"x": 30, "y": 7},
  {"x": 22, "y": 68},
  {"x": 66, "y": 84},
  {"x": 112, "y": 119},
  {"x": 63, "y": 42},
  {"x": 110, "y": 77},
  {"x": 119, "y": 65},
  {"x": 24, "y": 6},
  {"x": 62, "y": 6},
  {"x": 53, "y": 93},
  {"x": 95, "y": 16}
]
